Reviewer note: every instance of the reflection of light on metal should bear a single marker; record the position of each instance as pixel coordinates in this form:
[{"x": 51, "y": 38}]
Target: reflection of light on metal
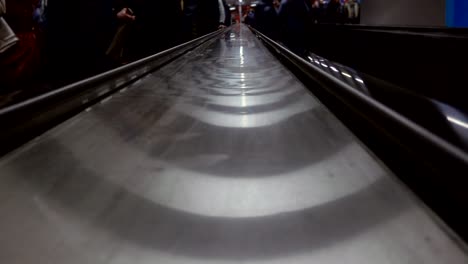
[
  {"x": 359, "y": 80},
  {"x": 241, "y": 52},
  {"x": 334, "y": 69},
  {"x": 260, "y": 196},
  {"x": 105, "y": 100},
  {"x": 346, "y": 74},
  {"x": 243, "y": 101},
  {"x": 457, "y": 122},
  {"x": 237, "y": 196},
  {"x": 251, "y": 99},
  {"x": 261, "y": 119},
  {"x": 324, "y": 65},
  {"x": 244, "y": 120}
]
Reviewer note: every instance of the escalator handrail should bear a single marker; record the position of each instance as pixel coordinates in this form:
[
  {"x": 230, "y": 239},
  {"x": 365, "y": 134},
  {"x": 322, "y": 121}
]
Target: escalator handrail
[
  {"x": 109, "y": 75},
  {"x": 26, "y": 120},
  {"x": 439, "y": 145},
  {"x": 411, "y": 30}
]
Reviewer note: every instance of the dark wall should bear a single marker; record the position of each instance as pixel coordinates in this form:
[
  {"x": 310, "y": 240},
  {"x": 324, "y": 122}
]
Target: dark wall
[{"x": 403, "y": 12}]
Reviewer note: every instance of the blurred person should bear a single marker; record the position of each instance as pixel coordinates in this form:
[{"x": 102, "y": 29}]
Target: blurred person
[
  {"x": 276, "y": 5},
  {"x": 155, "y": 25},
  {"x": 351, "y": 8},
  {"x": 295, "y": 18},
  {"x": 118, "y": 49},
  {"x": 266, "y": 18},
  {"x": 333, "y": 12},
  {"x": 78, "y": 35},
  {"x": 205, "y": 16},
  {"x": 20, "y": 55},
  {"x": 322, "y": 11},
  {"x": 7, "y": 36},
  {"x": 316, "y": 11},
  {"x": 249, "y": 18},
  {"x": 40, "y": 14}
]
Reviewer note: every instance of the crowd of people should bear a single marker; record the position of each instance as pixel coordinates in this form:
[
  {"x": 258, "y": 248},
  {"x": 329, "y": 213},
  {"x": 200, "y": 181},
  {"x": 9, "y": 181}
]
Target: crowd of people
[
  {"x": 289, "y": 20},
  {"x": 54, "y": 42},
  {"x": 319, "y": 11},
  {"x": 49, "y": 43}
]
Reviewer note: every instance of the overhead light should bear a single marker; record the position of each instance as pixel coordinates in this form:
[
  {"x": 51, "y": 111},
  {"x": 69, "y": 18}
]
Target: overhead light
[
  {"x": 359, "y": 80},
  {"x": 334, "y": 69},
  {"x": 346, "y": 74},
  {"x": 324, "y": 65},
  {"x": 232, "y": 8},
  {"x": 457, "y": 122},
  {"x": 253, "y": 5}
]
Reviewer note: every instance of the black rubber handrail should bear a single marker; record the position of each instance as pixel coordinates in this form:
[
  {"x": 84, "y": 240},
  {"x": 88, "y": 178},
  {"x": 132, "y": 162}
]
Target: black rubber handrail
[
  {"x": 437, "y": 169},
  {"x": 428, "y": 29},
  {"x": 454, "y": 158},
  {"x": 23, "y": 121},
  {"x": 111, "y": 74}
]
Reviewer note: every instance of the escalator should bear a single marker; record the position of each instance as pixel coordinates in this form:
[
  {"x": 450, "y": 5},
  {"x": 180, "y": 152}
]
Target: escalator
[{"x": 218, "y": 154}]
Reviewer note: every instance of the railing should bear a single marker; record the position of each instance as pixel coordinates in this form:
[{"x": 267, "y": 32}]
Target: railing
[
  {"x": 455, "y": 32},
  {"x": 23, "y": 121},
  {"x": 447, "y": 164},
  {"x": 348, "y": 94}
]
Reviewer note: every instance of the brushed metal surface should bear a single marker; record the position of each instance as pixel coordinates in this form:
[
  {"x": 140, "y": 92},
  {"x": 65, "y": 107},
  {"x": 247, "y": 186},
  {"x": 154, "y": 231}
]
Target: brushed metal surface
[{"x": 220, "y": 157}]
